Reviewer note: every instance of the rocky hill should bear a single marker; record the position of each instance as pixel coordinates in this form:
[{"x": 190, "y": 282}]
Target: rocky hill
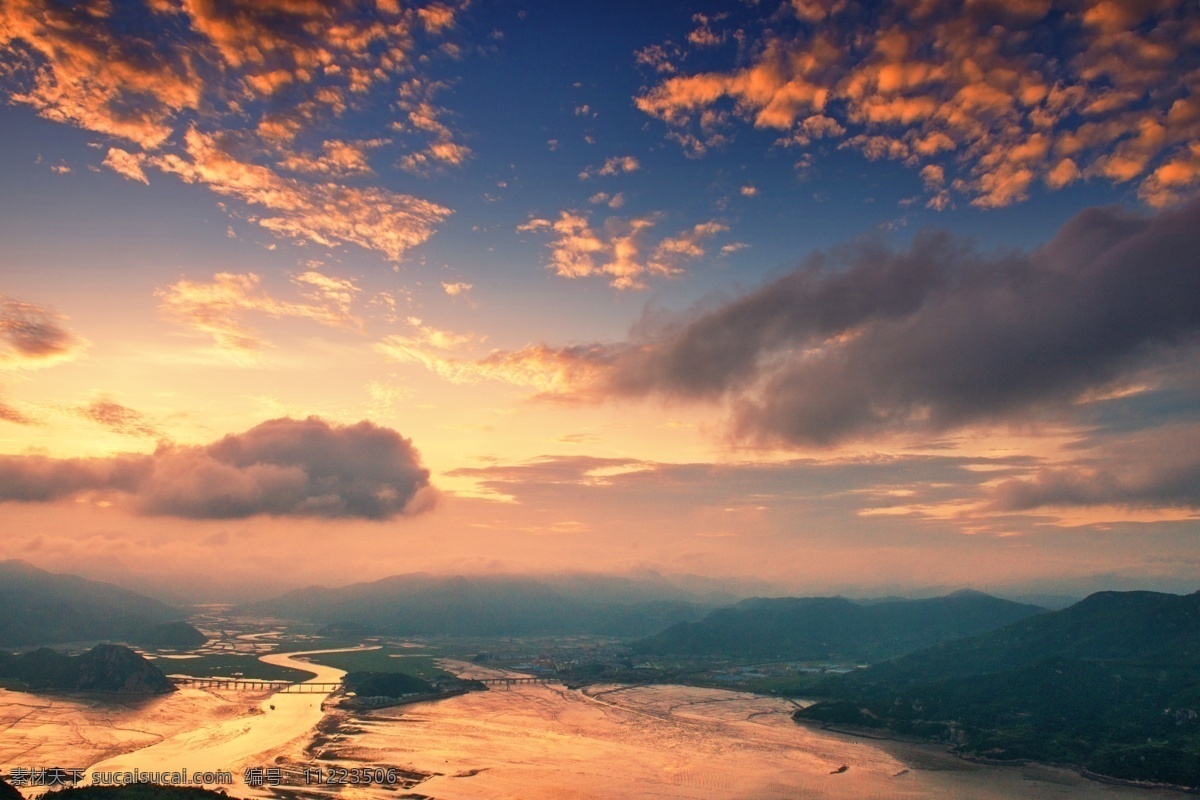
[{"x": 105, "y": 668}]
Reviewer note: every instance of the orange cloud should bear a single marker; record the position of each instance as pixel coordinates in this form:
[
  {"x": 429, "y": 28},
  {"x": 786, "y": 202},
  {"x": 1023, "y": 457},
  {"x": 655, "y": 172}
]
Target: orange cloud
[
  {"x": 10, "y": 414},
  {"x": 425, "y": 118},
  {"x": 612, "y": 166},
  {"x": 217, "y": 308},
  {"x": 337, "y": 158},
  {"x": 119, "y": 418},
  {"x": 88, "y": 75},
  {"x": 549, "y": 371},
  {"x": 125, "y": 163},
  {"x": 578, "y": 250},
  {"x": 133, "y": 78},
  {"x": 457, "y": 288},
  {"x": 965, "y": 88},
  {"x": 31, "y": 336},
  {"x": 326, "y": 213},
  {"x": 1170, "y": 182}
]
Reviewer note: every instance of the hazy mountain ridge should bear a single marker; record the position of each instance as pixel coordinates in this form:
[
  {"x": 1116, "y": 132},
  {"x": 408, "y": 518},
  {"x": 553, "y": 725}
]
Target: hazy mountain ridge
[
  {"x": 40, "y": 607},
  {"x": 1111, "y": 683},
  {"x": 834, "y": 628},
  {"x": 422, "y": 604},
  {"x": 1146, "y": 627}
]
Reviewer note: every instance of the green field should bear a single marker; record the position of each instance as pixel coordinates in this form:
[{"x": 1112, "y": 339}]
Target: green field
[
  {"x": 228, "y": 666},
  {"x": 420, "y": 666}
]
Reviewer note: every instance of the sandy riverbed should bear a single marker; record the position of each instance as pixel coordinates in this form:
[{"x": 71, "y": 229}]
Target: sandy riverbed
[
  {"x": 529, "y": 742},
  {"x": 194, "y": 729},
  {"x": 543, "y": 742}
]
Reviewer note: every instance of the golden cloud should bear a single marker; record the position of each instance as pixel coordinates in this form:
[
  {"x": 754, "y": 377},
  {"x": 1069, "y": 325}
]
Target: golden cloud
[
  {"x": 86, "y": 74},
  {"x": 134, "y": 76},
  {"x": 326, "y": 213},
  {"x": 619, "y": 251},
  {"x": 216, "y": 308},
  {"x": 968, "y": 89},
  {"x": 549, "y": 371},
  {"x": 612, "y": 166}
]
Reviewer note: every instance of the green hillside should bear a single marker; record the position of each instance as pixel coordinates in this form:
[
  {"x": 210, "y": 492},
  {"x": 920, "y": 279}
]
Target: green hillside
[{"x": 1111, "y": 683}]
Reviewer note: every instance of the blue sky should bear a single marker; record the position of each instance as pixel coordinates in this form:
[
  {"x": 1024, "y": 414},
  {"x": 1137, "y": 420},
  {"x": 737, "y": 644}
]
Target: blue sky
[{"x": 629, "y": 256}]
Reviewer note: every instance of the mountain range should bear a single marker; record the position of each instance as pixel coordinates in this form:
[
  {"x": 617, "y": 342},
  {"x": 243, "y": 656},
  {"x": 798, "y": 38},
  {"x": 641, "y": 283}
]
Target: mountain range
[
  {"x": 421, "y": 604},
  {"x": 40, "y": 607},
  {"x": 833, "y": 628}
]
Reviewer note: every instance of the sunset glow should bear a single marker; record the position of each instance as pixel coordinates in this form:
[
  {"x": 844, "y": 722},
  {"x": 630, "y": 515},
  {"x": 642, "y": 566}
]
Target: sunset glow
[{"x": 814, "y": 296}]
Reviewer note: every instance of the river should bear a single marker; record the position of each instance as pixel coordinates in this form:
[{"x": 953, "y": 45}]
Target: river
[{"x": 233, "y": 744}]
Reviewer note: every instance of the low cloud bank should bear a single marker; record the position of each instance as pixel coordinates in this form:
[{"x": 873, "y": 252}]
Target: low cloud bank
[{"x": 283, "y": 467}]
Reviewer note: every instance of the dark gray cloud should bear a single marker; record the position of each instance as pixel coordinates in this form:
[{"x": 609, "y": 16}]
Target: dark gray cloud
[
  {"x": 284, "y": 467},
  {"x": 39, "y": 479},
  {"x": 937, "y": 337}
]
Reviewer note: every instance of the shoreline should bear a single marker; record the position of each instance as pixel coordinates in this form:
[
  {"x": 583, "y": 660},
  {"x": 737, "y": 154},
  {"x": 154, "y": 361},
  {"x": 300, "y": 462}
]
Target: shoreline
[{"x": 948, "y": 752}]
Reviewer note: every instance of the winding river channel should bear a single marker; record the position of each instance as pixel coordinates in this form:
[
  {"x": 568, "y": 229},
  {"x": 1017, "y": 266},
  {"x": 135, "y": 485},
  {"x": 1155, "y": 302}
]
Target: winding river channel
[{"x": 278, "y": 720}]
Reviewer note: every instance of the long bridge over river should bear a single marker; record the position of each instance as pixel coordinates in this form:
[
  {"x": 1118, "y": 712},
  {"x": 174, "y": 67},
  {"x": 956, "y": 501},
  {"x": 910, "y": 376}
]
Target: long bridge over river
[
  {"x": 318, "y": 687},
  {"x": 256, "y": 685}
]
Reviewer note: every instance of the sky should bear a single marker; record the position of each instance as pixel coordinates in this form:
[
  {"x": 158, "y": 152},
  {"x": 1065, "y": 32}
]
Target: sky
[{"x": 822, "y": 295}]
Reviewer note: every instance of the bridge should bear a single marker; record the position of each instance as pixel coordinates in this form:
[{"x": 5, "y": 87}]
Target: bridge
[
  {"x": 257, "y": 685},
  {"x": 514, "y": 681},
  {"x": 314, "y": 687}
]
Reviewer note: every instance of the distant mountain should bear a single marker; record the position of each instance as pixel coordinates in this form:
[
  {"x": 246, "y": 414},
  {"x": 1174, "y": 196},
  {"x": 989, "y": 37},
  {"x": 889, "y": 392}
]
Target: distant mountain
[
  {"x": 834, "y": 628},
  {"x": 1111, "y": 683},
  {"x": 179, "y": 635},
  {"x": 39, "y": 607},
  {"x": 104, "y": 668},
  {"x": 421, "y": 604},
  {"x": 1146, "y": 627}
]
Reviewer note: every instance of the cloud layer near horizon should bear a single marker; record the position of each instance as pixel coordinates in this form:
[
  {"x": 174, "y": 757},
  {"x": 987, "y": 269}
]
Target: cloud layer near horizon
[{"x": 283, "y": 468}]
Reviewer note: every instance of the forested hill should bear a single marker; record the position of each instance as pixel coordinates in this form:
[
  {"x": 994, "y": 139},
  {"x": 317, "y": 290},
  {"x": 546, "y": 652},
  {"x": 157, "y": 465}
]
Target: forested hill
[
  {"x": 1111, "y": 683},
  {"x": 834, "y": 628},
  {"x": 109, "y": 668}
]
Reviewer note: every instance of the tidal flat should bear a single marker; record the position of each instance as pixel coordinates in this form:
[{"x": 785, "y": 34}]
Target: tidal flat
[
  {"x": 534, "y": 742},
  {"x": 543, "y": 742}
]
